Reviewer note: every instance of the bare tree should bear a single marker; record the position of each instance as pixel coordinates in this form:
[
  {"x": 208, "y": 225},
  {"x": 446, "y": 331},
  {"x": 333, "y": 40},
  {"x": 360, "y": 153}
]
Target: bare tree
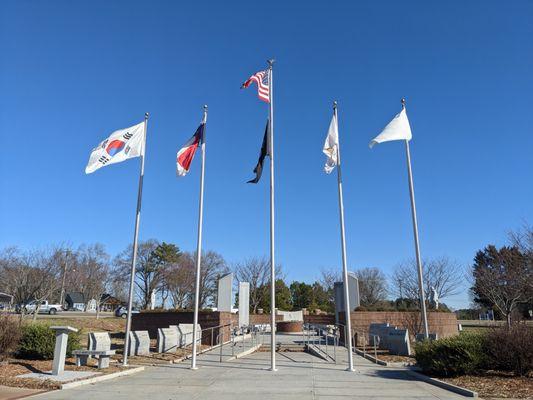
[
  {"x": 445, "y": 275},
  {"x": 93, "y": 273},
  {"x": 503, "y": 277},
  {"x": 328, "y": 277},
  {"x": 523, "y": 240},
  {"x": 213, "y": 266},
  {"x": 179, "y": 281},
  {"x": 256, "y": 271},
  {"x": 372, "y": 286},
  {"x": 148, "y": 276}
]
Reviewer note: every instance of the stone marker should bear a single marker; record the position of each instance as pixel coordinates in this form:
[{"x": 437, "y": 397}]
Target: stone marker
[
  {"x": 382, "y": 331},
  {"x": 186, "y": 333},
  {"x": 398, "y": 342},
  {"x": 60, "y": 350},
  {"x": 178, "y": 332},
  {"x": 291, "y": 315},
  {"x": 460, "y": 327},
  {"x": 244, "y": 304},
  {"x": 167, "y": 340},
  {"x": 225, "y": 293},
  {"x": 100, "y": 341},
  {"x": 353, "y": 293},
  {"x": 139, "y": 343},
  {"x": 419, "y": 337}
]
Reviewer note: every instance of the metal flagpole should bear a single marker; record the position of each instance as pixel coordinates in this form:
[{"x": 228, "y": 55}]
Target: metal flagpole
[
  {"x": 135, "y": 239},
  {"x": 272, "y": 235},
  {"x": 417, "y": 245},
  {"x": 199, "y": 246},
  {"x": 348, "y": 333}
]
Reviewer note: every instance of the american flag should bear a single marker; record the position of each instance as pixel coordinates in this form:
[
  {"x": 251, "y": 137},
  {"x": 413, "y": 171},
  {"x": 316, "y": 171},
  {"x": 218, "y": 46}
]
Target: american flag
[{"x": 263, "y": 85}]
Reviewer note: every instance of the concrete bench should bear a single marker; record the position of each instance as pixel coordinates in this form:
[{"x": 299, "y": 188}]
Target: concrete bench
[{"x": 103, "y": 357}]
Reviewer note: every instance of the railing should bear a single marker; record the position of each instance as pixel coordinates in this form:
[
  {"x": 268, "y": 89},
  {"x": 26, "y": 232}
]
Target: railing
[{"x": 317, "y": 332}]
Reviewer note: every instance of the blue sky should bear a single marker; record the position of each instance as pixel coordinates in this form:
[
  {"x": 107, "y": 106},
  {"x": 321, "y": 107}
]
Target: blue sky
[{"x": 72, "y": 72}]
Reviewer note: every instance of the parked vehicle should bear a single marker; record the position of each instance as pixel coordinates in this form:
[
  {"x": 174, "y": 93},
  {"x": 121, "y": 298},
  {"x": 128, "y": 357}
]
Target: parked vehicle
[
  {"x": 122, "y": 311},
  {"x": 44, "y": 308}
]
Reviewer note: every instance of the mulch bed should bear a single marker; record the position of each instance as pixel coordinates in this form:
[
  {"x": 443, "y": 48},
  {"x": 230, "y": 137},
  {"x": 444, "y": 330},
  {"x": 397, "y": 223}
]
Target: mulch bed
[
  {"x": 496, "y": 385},
  {"x": 15, "y": 367},
  {"x": 396, "y": 359},
  {"x": 164, "y": 358}
]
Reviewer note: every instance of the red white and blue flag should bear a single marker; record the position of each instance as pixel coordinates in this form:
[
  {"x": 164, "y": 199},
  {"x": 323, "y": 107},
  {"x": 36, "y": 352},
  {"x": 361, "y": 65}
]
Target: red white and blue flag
[
  {"x": 119, "y": 146},
  {"x": 263, "y": 84},
  {"x": 186, "y": 153}
]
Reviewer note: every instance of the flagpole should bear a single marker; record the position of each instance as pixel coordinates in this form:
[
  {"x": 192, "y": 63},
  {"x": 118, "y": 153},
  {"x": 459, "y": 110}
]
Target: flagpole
[
  {"x": 135, "y": 240},
  {"x": 348, "y": 333},
  {"x": 415, "y": 232},
  {"x": 272, "y": 231},
  {"x": 199, "y": 246}
]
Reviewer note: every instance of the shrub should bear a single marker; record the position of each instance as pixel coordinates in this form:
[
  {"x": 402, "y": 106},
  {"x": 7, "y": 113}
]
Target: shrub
[
  {"x": 9, "y": 335},
  {"x": 38, "y": 342},
  {"x": 457, "y": 355},
  {"x": 510, "y": 349}
]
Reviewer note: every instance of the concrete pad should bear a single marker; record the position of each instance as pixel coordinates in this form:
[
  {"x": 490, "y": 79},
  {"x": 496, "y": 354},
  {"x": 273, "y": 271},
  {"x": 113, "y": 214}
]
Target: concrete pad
[
  {"x": 66, "y": 376},
  {"x": 300, "y": 376}
]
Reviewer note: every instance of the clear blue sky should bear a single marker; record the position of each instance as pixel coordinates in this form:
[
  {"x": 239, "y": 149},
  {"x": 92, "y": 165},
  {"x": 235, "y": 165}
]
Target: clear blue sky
[{"x": 72, "y": 72}]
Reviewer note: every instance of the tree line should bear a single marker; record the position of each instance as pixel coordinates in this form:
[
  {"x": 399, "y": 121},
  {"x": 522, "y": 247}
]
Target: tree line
[{"x": 500, "y": 278}]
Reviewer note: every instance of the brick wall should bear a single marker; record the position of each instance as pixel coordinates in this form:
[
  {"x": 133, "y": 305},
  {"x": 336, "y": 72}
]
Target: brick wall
[
  {"x": 325, "y": 319},
  {"x": 152, "y": 320},
  {"x": 444, "y": 324}
]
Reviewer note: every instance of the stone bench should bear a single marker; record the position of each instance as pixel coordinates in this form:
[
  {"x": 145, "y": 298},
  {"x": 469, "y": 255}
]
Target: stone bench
[{"x": 103, "y": 357}]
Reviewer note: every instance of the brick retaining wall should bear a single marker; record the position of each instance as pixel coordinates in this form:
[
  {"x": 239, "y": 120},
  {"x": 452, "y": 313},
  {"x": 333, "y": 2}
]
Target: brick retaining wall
[
  {"x": 443, "y": 323},
  {"x": 152, "y": 320}
]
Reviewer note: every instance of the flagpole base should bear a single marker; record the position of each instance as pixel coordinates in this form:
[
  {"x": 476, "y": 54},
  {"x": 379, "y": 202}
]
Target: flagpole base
[
  {"x": 350, "y": 369},
  {"x": 193, "y": 368},
  {"x": 273, "y": 369}
]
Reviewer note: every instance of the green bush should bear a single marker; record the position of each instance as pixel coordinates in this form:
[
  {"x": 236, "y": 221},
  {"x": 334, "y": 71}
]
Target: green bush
[
  {"x": 457, "y": 355},
  {"x": 38, "y": 342}
]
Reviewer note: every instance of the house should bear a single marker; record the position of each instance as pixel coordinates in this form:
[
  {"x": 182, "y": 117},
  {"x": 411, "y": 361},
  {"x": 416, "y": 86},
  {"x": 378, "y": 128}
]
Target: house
[
  {"x": 109, "y": 303},
  {"x": 74, "y": 301},
  {"x": 6, "y": 301}
]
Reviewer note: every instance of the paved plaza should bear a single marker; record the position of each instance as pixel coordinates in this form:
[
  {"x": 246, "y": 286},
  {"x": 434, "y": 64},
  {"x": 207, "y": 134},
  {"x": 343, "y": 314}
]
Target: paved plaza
[{"x": 299, "y": 376}]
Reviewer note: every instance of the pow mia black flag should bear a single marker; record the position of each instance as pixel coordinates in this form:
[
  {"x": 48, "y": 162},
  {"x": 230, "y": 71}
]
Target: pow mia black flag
[{"x": 265, "y": 151}]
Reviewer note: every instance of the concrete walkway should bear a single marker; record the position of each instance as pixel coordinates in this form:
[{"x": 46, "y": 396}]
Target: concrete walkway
[{"x": 299, "y": 376}]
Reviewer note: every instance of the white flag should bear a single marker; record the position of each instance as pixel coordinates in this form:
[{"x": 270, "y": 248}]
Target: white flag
[
  {"x": 119, "y": 146},
  {"x": 331, "y": 146},
  {"x": 397, "y": 129}
]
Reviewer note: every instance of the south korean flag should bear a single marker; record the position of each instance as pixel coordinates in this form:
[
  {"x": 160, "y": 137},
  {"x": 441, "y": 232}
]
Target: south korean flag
[{"x": 119, "y": 146}]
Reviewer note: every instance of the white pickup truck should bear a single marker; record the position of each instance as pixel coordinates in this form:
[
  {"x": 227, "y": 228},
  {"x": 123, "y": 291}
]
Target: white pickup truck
[{"x": 44, "y": 308}]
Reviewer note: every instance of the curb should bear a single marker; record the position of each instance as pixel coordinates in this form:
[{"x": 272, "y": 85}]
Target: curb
[
  {"x": 96, "y": 379},
  {"x": 245, "y": 353},
  {"x": 442, "y": 384},
  {"x": 371, "y": 358}
]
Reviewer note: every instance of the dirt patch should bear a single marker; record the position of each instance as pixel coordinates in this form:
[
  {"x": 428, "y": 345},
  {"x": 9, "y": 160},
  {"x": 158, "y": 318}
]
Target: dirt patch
[
  {"x": 15, "y": 367},
  {"x": 397, "y": 359},
  {"x": 496, "y": 385},
  {"x": 164, "y": 358}
]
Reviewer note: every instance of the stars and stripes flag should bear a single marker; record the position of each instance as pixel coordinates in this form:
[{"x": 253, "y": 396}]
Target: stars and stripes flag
[
  {"x": 186, "y": 153},
  {"x": 263, "y": 84}
]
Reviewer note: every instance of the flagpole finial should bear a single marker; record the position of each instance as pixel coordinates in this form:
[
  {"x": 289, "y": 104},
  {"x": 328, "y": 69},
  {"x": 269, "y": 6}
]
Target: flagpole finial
[
  {"x": 271, "y": 62},
  {"x": 146, "y": 115},
  {"x": 334, "y": 104},
  {"x": 205, "y": 107},
  {"x": 403, "y": 102}
]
